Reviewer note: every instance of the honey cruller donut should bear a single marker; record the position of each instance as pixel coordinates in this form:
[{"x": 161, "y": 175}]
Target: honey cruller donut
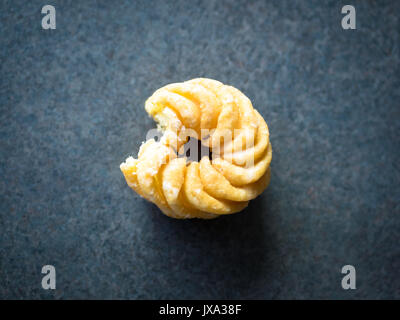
[{"x": 226, "y": 122}]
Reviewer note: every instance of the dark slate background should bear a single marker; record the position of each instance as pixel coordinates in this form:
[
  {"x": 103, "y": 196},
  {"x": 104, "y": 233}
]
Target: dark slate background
[{"x": 72, "y": 109}]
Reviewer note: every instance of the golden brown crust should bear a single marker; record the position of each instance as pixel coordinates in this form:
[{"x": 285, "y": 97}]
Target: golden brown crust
[{"x": 236, "y": 134}]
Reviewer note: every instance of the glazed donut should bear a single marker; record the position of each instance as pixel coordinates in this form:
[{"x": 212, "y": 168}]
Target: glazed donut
[{"x": 222, "y": 118}]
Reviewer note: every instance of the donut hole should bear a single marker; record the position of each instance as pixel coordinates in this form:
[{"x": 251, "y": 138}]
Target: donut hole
[{"x": 194, "y": 150}]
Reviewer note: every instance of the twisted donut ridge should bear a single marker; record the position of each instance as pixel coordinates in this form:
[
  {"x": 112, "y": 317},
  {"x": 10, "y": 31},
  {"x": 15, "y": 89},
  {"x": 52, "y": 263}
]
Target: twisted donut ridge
[{"x": 224, "y": 120}]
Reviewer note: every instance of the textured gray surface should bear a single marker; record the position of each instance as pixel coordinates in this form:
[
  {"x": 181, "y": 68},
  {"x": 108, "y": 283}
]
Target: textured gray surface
[{"x": 72, "y": 103}]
